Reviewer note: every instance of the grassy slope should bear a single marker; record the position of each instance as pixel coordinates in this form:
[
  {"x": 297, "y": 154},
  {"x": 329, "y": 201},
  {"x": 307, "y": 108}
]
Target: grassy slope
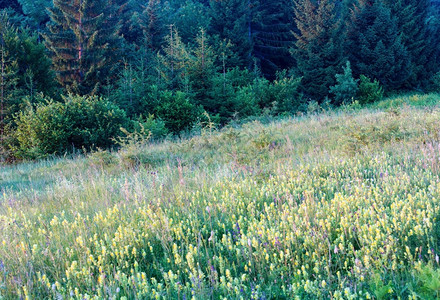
[{"x": 340, "y": 204}]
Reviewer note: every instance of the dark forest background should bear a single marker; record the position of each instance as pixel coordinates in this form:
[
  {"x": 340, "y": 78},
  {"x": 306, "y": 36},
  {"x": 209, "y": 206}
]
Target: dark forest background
[{"x": 73, "y": 72}]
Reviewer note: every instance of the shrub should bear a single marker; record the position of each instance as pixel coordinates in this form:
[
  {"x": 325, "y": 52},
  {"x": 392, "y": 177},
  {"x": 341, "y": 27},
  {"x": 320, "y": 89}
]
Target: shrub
[
  {"x": 155, "y": 126},
  {"x": 313, "y": 107},
  {"x": 285, "y": 90},
  {"x": 79, "y": 122},
  {"x": 93, "y": 121},
  {"x": 346, "y": 86},
  {"x": 369, "y": 91},
  {"x": 279, "y": 97},
  {"x": 40, "y": 131},
  {"x": 177, "y": 111},
  {"x": 248, "y": 99},
  {"x": 223, "y": 99}
]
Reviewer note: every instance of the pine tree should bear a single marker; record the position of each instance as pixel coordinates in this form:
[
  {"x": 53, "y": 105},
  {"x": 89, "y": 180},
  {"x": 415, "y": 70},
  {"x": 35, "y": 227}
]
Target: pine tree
[
  {"x": 412, "y": 22},
  {"x": 202, "y": 69},
  {"x": 84, "y": 42},
  {"x": 8, "y": 75},
  {"x": 37, "y": 11},
  {"x": 25, "y": 67},
  {"x": 153, "y": 25},
  {"x": 318, "y": 50},
  {"x": 346, "y": 86},
  {"x": 129, "y": 12},
  {"x": 273, "y": 36},
  {"x": 374, "y": 45},
  {"x": 173, "y": 62},
  {"x": 232, "y": 21},
  {"x": 189, "y": 17}
]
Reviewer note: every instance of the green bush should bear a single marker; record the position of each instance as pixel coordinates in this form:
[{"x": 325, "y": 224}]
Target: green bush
[
  {"x": 369, "y": 91},
  {"x": 279, "y": 97},
  {"x": 346, "y": 86},
  {"x": 93, "y": 121},
  {"x": 223, "y": 99},
  {"x": 177, "y": 111},
  {"x": 247, "y": 99},
  {"x": 40, "y": 131},
  {"x": 79, "y": 122},
  {"x": 155, "y": 126},
  {"x": 285, "y": 91}
]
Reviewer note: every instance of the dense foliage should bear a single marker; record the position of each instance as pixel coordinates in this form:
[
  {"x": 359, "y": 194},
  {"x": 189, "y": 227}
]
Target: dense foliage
[
  {"x": 184, "y": 60},
  {"x": 56, "y": 127}
]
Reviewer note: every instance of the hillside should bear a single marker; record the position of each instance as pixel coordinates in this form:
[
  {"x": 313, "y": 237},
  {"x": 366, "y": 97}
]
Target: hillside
[{"x": 334, "y": 204}]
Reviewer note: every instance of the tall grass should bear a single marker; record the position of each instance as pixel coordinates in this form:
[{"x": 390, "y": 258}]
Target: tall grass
[{"x": 341, "y": 205}]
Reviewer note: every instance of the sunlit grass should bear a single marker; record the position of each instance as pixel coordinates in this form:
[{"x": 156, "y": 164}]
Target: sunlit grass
[{"x": 341, "y": 205}]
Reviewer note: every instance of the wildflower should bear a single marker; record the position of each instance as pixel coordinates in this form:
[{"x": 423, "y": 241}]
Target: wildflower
[
  {"x": 228, "y": 274},
  {"x": 211, "y": 237}
]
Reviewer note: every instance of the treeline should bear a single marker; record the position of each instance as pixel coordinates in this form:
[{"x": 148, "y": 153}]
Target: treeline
[{"x": 74, "y": 71}]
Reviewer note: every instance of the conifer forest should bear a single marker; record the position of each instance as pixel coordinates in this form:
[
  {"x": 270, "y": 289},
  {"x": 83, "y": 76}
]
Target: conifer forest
[
  {"x": 219, "y": 149},
  {"x": 170, "y": 65}
]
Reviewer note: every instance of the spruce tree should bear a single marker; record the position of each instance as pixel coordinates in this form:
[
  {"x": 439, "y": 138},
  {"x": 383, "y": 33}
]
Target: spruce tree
[
  {"x": 26, "y": 69},
  {"x": 135, "y": 86},
  {"x": 202, "y": 69},
  {"x": 84, "y": 42},
  {"x": 375, "y": 47},
  {"x": 346, "y": 86},
  {"x": 37, "y": 11},
  {"x": 129, "y": 12},
  {"x": 8, "y": 75},
  {"x": 173, "y": 62},
  {"x": 231, "y": 21},
  {"x": 153, "y": 25},
  {"x": 189, "y": 17},
  {"x": 412, "y": 22},
  {"x": 273, "y": 36},
  {"x": 318, "y": 50}
]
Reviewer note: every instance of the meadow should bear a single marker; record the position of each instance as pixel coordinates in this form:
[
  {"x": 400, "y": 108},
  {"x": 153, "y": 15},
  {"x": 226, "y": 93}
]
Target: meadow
[{"x": 329, "y": 205}]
